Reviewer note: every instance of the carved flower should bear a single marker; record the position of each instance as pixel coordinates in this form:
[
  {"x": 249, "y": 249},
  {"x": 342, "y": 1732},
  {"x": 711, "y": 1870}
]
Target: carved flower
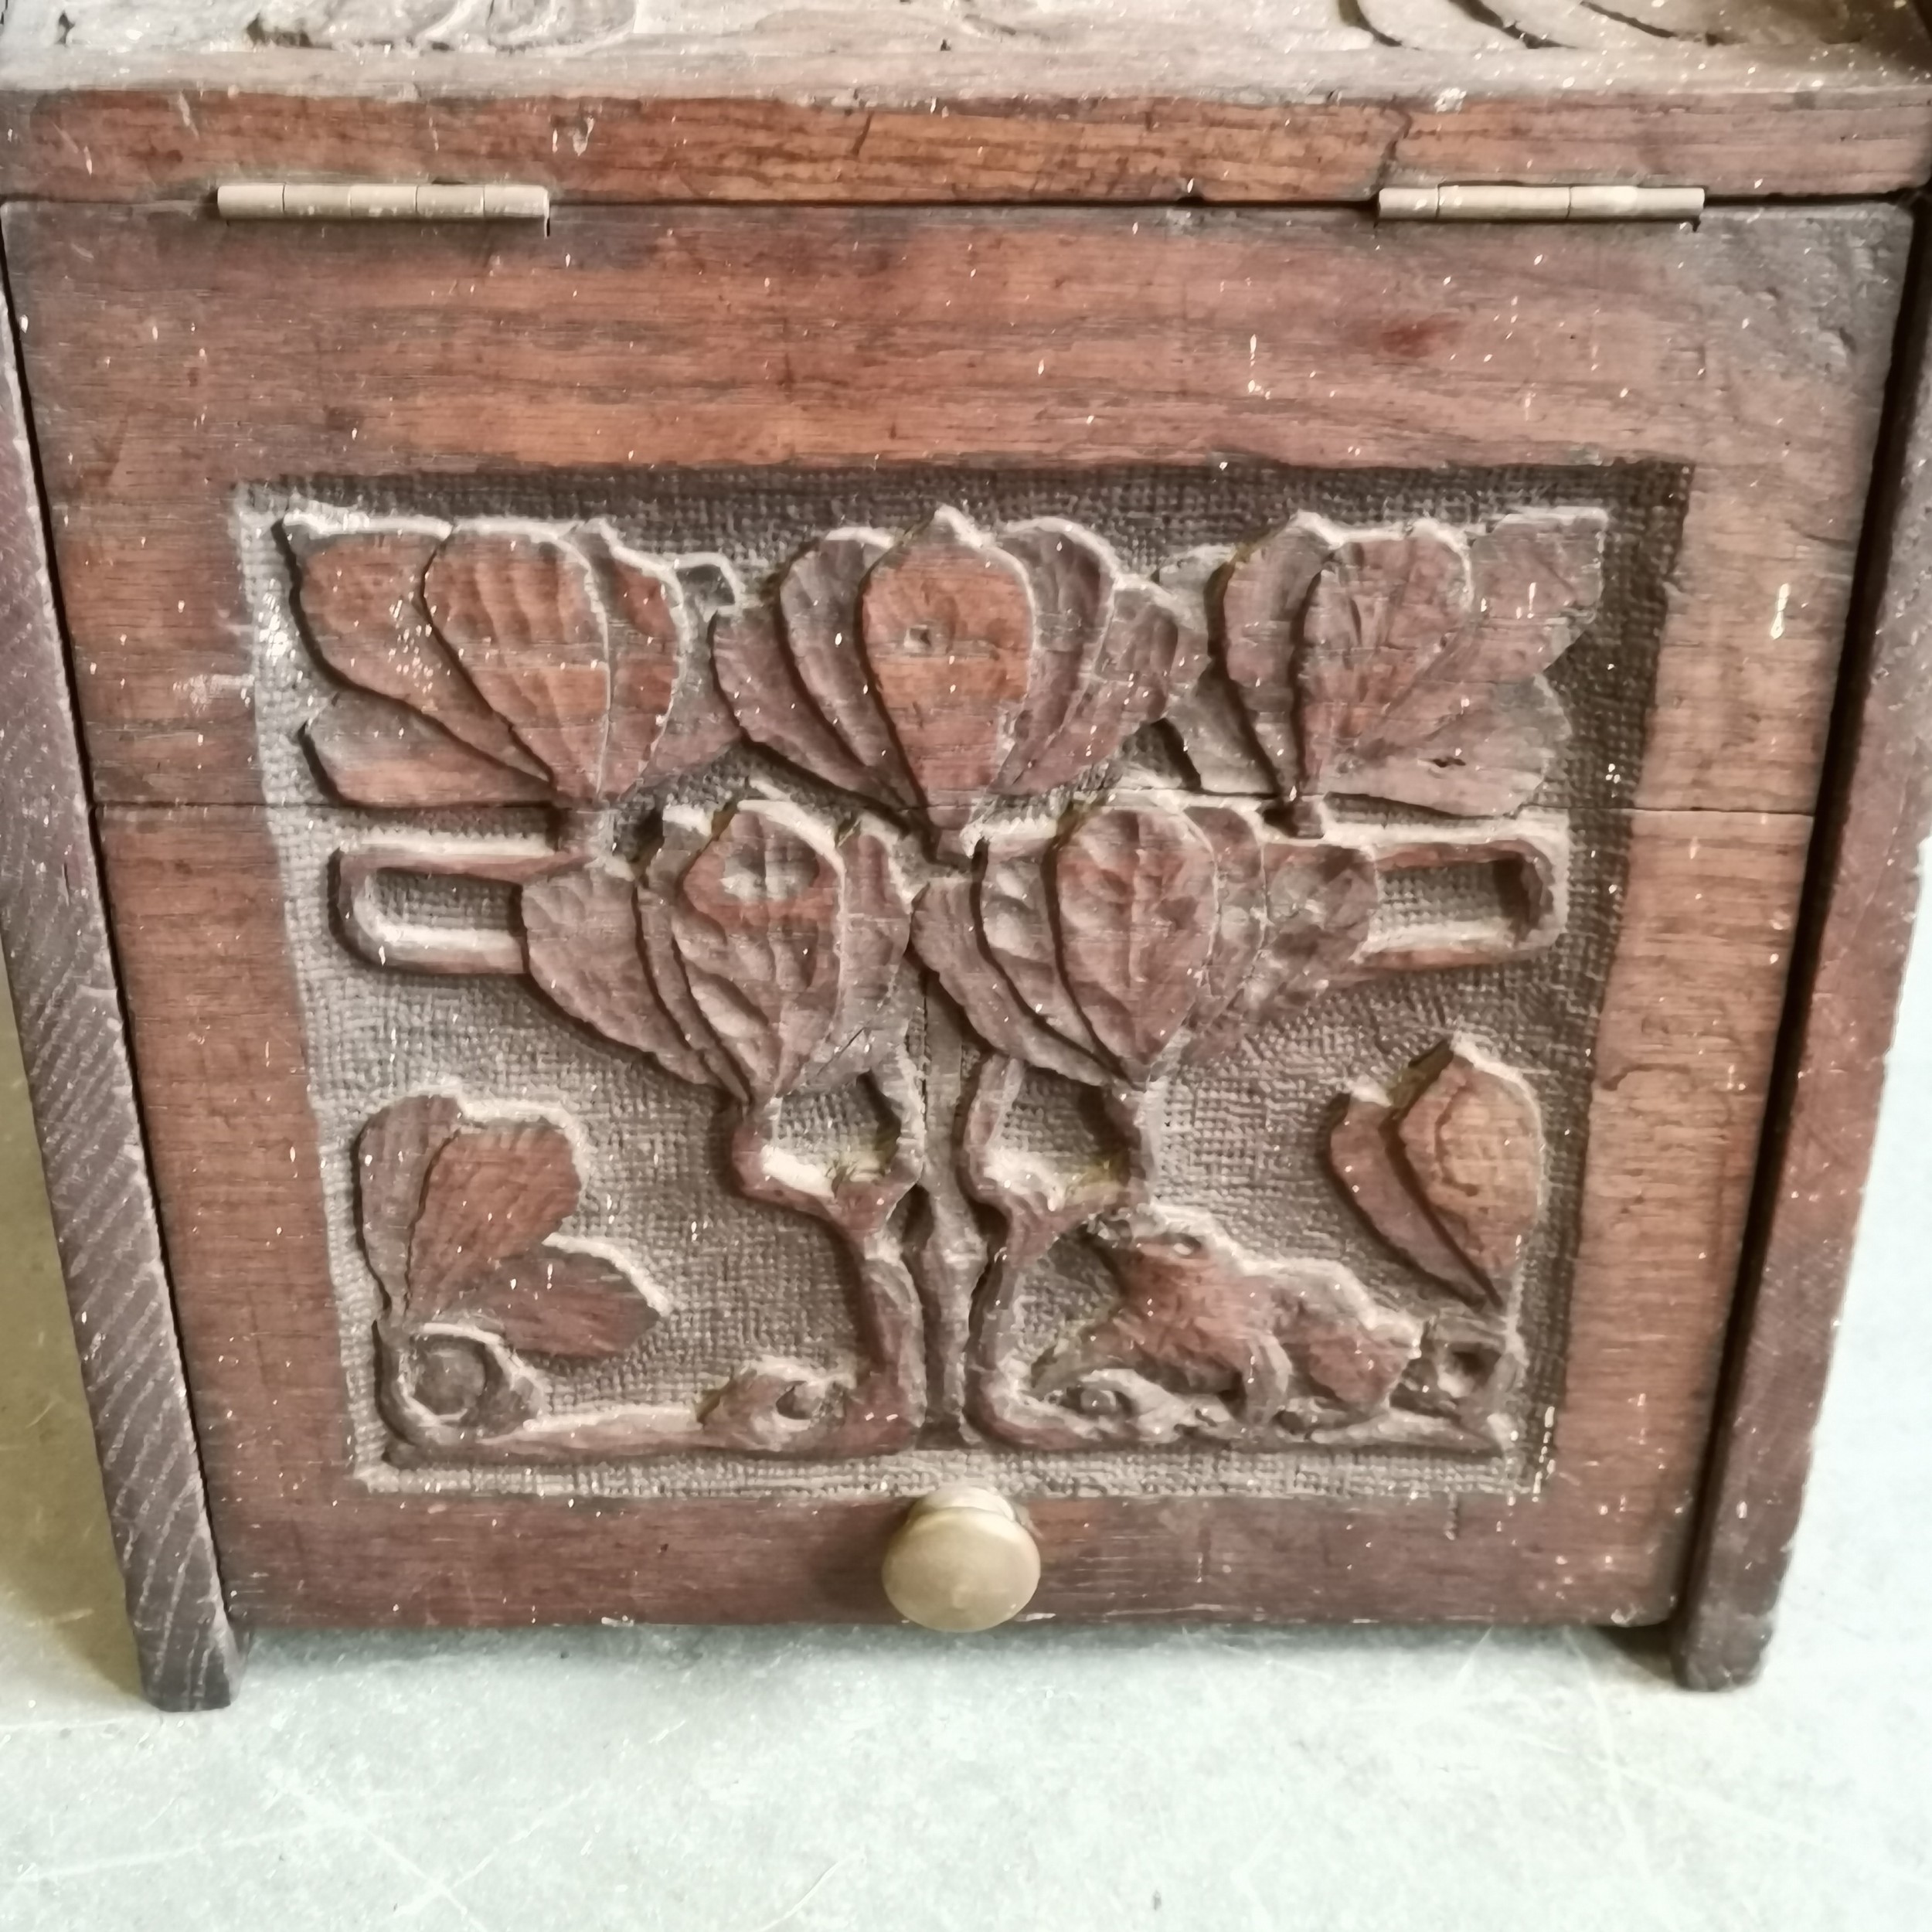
[
  {"x": 1406, "y": 664},
  {"x": 1448, "y": 1169},
  {"x": 458, "y": 1219},
  {"x": 1142, "y": 933},
  {"x": 934, "y": 673},
  {"x": 497, "y": 663},
  {"x": 761, "y": 954}
]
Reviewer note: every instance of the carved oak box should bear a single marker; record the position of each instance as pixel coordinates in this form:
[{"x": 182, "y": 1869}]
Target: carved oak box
[{"x": 878, "y": 834}]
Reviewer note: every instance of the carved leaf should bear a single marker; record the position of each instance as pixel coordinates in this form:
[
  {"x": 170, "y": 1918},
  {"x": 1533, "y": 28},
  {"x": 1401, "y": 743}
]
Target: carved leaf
[
  {"x": 564, "y": 1302},
  {"x": 700, "y": 725},
  {"x": 764, "y": 687},
  {"x": 947, "y": 936},
  {"x": 1240, "y": 910},
  {"x": 373, "y": 752},
  {"x": 1538, "y": 578},
  {"x": 491, "y": 1193},
  {"x": 644, "y": 606},
  {"x": 519, "y": 610},
  {"x": 1110, "y": 653},
  {"x": 1321, "y": 906},
  {"x": 518, "y": 666},
  {"x": 360, "y": 596},
  {"x": 393, "y": 1154},
  {"x": 1474, "y": 1139},
  {"x": 1016, "y": 925},
  {"x": 1450, "y": 1171},
  {"x": 1151, "y": 931},
  {"x": 1072, "y": 574},
  {"x": 683, "y": 837},
  {"x": 582, "y": 940},
  {"x": 1417, "y": 687},
  {"x": 1135, "y": 891},
  {"x": 1364, "y": 1156},
  {"x": 1262, "y": 595},
  {"x": 874, "y": 928},
  {"x": 819, "y": 598},
  {"x": 937, "y": 672},
  {"x": 755, "y": 922},
  {"x": 947, "y": 622}
]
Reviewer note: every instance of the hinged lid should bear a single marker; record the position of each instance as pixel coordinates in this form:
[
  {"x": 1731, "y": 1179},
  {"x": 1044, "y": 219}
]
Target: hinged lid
[{"x": 881, "y": 100}]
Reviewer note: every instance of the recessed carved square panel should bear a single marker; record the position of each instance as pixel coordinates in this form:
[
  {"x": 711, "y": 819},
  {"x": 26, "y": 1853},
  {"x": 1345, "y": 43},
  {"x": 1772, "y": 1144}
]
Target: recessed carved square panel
[{"x": 837, "y": 980}]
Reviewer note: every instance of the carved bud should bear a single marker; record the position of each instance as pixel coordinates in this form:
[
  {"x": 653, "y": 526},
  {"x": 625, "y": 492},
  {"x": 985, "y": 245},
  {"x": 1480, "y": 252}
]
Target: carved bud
[
  {"x": 1448, "y": 1169},
  {"x": 1406, "y": 664},
  {"x": 950, "y": 668},
  {"x": 1141, "y": 933},
  {"x": 762, "y": 954},
  {"x": 501, "y": 663}
]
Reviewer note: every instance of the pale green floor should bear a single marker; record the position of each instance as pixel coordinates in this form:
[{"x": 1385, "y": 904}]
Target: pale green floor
[{"x": 885, "y": 1782}]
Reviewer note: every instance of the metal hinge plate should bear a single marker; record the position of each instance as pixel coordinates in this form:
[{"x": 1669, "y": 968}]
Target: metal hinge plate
[
  {"x": 1486, "y": 201},
  {"x": 380, "y": 201}
]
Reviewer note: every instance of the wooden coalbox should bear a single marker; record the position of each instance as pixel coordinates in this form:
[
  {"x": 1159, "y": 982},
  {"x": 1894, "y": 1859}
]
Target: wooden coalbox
[{"x": 1040, "y": 809}]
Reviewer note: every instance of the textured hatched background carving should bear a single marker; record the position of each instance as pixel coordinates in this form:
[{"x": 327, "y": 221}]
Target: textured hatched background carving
[{"x": 745, "y": 1280}]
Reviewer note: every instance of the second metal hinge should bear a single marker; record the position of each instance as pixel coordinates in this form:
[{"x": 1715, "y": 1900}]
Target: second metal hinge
[
  {"x": 381, "y": 201},
  {"x": 1484, "y": 201}
]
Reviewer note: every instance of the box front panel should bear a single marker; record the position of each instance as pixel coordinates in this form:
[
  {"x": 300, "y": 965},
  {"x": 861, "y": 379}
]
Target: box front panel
[{"x": 751, "y": 902}]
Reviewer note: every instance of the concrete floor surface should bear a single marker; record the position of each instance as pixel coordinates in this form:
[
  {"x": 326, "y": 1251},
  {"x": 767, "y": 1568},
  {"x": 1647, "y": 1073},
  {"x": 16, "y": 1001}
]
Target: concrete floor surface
[{"x": 633, "y": 1780}]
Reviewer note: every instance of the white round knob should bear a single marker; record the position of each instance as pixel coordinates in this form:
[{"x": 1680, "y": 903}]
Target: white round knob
[{"x": 962, "y": 1560}]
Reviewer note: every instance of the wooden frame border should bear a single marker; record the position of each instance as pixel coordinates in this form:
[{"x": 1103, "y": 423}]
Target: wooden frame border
[
  {"x": 1875, "y": 812},
  {"x": 66, "y": 995}
]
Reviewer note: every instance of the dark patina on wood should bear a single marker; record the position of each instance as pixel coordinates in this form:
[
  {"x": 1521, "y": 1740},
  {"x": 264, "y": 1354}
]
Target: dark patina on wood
[{"x": 62, "y": 975}]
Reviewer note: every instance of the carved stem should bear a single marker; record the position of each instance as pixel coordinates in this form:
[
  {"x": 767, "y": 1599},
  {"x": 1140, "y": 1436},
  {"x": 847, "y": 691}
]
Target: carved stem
[
  {"x": 951, "y": 1255},
  {"x": 585, "y": 831},
  {"x": 998, "y": 1401},
  {"x": 1140, "y": 1114},
  {"x": 885, "y": 1409}
]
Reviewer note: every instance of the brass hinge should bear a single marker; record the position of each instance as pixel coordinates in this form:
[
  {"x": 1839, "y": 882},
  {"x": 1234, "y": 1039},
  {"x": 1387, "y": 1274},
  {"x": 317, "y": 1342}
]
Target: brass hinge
[
  {"x": 380, "y": 201},
  {"x": 1483, "y": 201}
]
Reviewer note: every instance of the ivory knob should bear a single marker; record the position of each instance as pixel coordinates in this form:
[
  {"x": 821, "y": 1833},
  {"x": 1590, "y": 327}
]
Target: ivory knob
[{"x": 962, "y": 1560}]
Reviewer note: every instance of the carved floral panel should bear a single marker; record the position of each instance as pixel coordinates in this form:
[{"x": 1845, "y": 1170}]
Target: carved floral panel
[{"x": 1091, "y": 978}]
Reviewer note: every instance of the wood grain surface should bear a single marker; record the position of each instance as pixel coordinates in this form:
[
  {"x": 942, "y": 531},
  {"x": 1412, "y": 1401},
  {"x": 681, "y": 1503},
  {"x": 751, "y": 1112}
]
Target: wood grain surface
[
  {"x": 876, "y": 100},
  {"x": 1683, "y": 1058},
  {"x": 172, "y": 359},
  {"x": 1861, "y": 899},
  {"x": 62, "y": 974}
]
